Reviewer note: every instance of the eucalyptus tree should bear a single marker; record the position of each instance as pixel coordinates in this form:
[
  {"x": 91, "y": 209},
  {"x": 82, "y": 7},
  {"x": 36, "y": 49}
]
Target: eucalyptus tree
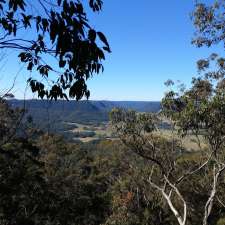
[
  {"x": 62, "y": 47},
  {"x": 209, "y": 20},
  {"x": 199, "y": 111}
]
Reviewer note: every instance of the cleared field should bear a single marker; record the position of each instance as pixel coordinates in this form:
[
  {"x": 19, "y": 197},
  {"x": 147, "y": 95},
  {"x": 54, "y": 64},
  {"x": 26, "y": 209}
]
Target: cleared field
[
  {"x": 87, "y": 133},
  {"x": 97, "y": 132},
  {"x": 190, "y": 142}
]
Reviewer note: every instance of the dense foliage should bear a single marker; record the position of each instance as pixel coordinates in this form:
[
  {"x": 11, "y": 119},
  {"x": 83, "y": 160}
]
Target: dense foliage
[{"x": 45, "y": 180}]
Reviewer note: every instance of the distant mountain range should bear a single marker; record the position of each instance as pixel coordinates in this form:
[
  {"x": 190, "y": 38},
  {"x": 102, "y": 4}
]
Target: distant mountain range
[{"x": 85, "y": 112}]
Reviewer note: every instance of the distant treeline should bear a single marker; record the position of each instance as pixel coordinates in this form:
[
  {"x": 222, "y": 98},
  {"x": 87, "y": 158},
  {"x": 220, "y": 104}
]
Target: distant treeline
[{"x": 53, "y": 115}]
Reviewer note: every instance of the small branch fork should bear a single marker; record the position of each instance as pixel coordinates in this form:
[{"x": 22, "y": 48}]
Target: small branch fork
[
  {"x": 168, "y": 197},
  {"x": 209, "y": 204},
  {"x": 218, "y": 169}
]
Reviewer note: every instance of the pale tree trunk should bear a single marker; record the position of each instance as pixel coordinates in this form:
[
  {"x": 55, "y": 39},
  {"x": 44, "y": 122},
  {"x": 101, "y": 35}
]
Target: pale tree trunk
[
  {"x": 181, "y": 218},
  {"x": 210, "y": 201}
]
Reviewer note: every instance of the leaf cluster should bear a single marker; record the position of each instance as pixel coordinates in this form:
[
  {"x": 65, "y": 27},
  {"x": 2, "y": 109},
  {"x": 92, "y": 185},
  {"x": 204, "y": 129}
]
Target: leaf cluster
[{"x": 61, "y": 31}]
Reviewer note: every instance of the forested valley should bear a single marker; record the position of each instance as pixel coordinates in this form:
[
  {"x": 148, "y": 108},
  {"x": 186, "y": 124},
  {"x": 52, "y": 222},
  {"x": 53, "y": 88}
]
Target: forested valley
[{"x": 105, "y": 162}]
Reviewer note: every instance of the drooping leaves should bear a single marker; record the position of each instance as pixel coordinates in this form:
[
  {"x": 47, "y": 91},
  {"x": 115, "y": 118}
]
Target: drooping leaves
[{"x": 72, "y": 42}]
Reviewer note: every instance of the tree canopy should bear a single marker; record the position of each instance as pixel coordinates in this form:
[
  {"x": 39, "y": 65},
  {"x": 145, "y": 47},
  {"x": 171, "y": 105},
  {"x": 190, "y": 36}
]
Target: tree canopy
[
  {"x": 59, "y": 30},
  {"x": 208, "y": 20}
]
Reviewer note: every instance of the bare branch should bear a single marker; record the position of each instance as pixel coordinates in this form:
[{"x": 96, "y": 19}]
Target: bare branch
[
  {"x": 181, "y": 219},
  {"x": 210, "y": 201}
]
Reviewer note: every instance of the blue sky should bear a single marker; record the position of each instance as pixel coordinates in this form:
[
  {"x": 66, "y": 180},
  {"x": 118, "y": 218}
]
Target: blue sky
[{"x": 150, "y": 41}]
